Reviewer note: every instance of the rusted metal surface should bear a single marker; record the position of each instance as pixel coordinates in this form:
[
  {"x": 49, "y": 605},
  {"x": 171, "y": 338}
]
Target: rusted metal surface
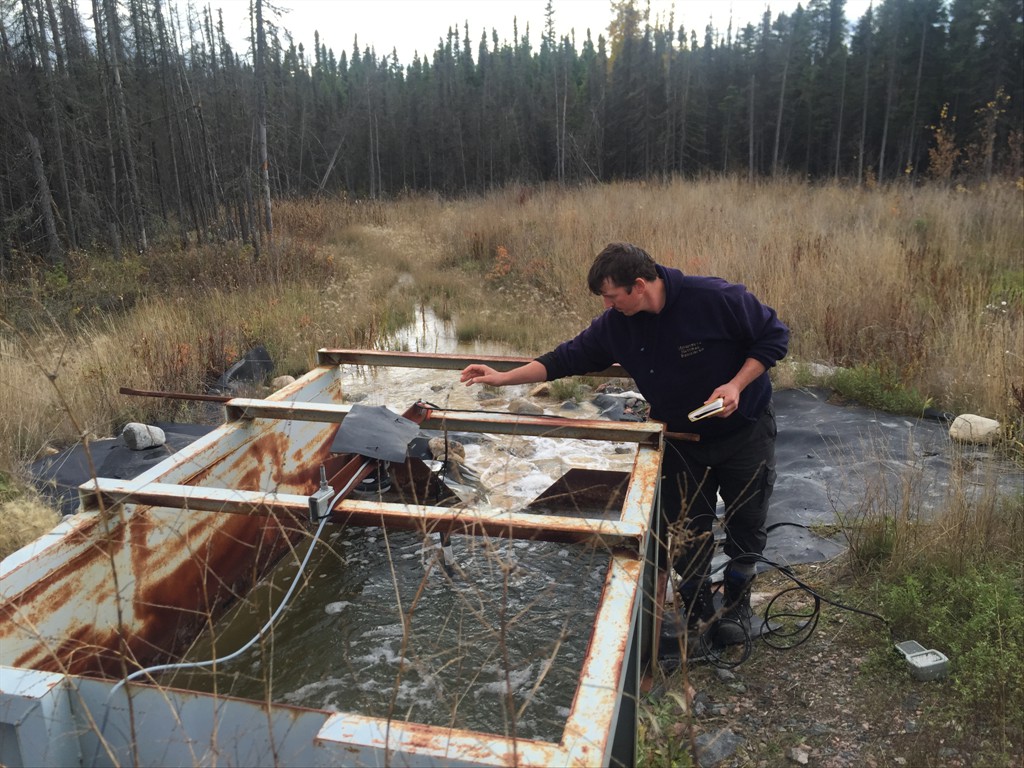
[
  {"x": 359, "y": 740},
  {"x": 436, "y": 362},
  {"x": 130, "y": 586},
  {"x": 240, "y": 408},
  {"x": 130, "y": 581},
  {"x": 173, "y": 395},
  {"x": 590, "y": 725},
  {"x": 427, "y": 519},
  {"x": 643, "y": 487}
]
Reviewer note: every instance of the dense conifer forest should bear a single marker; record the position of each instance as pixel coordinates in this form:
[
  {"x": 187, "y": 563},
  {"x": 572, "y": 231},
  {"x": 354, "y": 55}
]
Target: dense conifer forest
[{"x": 128, "y": 120}]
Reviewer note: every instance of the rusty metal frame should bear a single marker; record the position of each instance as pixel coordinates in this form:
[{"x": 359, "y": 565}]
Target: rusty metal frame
[
  {"x": 601, "y": 726},
  {"x": 629, "y": 531},
  {"x": 331, "y": 357}
]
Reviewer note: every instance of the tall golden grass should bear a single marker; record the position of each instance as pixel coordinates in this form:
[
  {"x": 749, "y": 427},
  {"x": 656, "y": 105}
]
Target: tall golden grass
[
  {"x": 913, "y": 280},
  {"x": 910, "y": 279}
]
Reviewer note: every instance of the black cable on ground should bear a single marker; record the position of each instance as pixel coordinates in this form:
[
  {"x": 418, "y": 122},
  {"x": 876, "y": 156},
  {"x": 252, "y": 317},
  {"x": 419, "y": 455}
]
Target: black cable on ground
[{"x": 783, "y": 629}]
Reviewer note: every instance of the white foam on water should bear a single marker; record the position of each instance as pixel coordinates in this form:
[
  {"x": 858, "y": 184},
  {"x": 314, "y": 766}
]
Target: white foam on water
[{"x": 517, "y": 679}]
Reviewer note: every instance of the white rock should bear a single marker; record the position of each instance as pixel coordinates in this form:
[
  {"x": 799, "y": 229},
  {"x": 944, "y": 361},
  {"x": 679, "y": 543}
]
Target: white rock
[
  {"x": 821, "y": 370},
  {"x": 970, "y": 428},
  {"x": 282, "y": 381},
  {"x": 138, "y": 437},
  {"x": 799, "y": 756}
]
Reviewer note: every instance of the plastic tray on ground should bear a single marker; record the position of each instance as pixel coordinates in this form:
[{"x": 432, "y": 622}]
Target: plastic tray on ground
[{"x": 925, "y": 663}]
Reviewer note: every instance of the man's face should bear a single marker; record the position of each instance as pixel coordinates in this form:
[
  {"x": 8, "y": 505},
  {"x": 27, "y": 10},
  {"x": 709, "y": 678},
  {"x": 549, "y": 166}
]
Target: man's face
[{"x": 626, "y": 300}]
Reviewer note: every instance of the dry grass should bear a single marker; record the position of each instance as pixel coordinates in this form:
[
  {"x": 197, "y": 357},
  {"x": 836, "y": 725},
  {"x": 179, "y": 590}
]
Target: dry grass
[
  {"x": 24, "y": 520},
  {"x": 896, "y": 530},
  {"x": 908, "y": 279}
]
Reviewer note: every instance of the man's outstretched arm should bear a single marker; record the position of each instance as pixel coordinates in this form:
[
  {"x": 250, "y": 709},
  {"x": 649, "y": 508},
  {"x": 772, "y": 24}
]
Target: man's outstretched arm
[{"x": 530, "y": 373}]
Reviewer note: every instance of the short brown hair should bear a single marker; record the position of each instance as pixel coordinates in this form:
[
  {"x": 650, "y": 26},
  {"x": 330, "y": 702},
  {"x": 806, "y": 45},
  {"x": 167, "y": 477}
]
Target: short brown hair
[{"x": 622, "y": 263}]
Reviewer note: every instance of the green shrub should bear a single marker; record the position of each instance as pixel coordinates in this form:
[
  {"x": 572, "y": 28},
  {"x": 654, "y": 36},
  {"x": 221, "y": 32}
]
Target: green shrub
[
  {"x": 879, "y": 388},
  {"x": 7, "y": 489},
  {"x": 977, "y": 619}
]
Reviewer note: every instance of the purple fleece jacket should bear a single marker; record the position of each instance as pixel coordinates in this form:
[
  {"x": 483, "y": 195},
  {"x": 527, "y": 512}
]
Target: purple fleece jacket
[{"x": 700, "y": 339}]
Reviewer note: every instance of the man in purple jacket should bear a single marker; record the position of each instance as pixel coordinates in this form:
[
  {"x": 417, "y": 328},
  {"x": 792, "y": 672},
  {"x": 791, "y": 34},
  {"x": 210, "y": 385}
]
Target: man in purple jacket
[{"x": 687, "y": 341}]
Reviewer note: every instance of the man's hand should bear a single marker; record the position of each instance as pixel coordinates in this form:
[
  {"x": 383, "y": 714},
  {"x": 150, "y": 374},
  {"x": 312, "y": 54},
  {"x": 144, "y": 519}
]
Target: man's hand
[
  {"x": 730, "y": 391},
  {"x": 730, "y": 395},
  {"x": 480, "y": 374},
  {"x": 477, "y": 373}
]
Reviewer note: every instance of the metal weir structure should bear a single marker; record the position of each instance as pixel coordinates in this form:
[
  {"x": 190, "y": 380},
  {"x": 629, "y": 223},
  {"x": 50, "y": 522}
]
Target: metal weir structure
[{"x": 149, "y": 563}]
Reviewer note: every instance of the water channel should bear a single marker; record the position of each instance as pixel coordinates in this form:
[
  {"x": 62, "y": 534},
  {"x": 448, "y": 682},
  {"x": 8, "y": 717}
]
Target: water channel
[{"x": 379, "y": 628}]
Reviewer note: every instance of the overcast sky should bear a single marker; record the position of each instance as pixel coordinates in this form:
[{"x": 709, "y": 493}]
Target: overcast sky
[{"x": 418, "y": 25}]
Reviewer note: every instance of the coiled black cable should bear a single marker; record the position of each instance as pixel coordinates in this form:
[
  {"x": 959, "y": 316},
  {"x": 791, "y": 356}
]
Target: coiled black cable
[{"x": 783, "y": 629}]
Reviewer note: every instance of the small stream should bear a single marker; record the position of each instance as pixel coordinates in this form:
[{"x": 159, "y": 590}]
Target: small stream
[{"x": 379, "y": 628}]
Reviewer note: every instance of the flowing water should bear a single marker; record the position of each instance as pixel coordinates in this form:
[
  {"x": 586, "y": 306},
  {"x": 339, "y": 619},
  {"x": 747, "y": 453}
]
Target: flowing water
[{"x": 378, "y": 627}]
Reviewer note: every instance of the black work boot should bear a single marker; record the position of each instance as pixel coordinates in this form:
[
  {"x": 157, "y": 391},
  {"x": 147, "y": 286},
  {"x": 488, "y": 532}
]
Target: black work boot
[
  {"x": 686, "y": 627},
  {"x": 733, "y": 628},
  {"x": 695, "y": 602}
]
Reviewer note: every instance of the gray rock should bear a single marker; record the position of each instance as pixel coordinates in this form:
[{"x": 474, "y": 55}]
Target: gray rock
[
  {"x": 139, "y": 437},
  {"x": 524, "y": 407},
  {"x": 715, "y": 747},
  {"x": 282, "y": 381},
  {"x": 701, "y": 703},
  {"x": 799, "y": 755}
]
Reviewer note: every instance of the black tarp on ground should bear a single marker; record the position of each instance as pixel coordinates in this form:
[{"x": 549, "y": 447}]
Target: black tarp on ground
[{"x": 57, "y": 477}]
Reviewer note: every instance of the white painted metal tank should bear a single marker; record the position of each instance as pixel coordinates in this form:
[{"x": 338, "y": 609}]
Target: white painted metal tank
[{"x": 147, "y": 564}]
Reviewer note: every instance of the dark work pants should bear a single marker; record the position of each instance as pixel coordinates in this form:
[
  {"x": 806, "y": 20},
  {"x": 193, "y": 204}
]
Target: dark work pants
[{"x": 742, "y": 468}]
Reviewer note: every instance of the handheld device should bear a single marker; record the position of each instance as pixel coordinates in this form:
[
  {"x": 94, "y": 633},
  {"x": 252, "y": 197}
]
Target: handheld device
[{"x": 708, "y": 409}]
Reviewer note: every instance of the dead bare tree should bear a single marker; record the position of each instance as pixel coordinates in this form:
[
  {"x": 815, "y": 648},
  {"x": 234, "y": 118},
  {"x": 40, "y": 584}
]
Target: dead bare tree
[{"x": 261, "y": 117}]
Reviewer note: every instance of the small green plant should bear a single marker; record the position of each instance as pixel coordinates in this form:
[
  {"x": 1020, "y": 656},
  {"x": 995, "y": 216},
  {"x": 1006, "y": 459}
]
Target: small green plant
[
  {"x": 571, "y": 388},
  {"x": 7, "y": 489},
  {"x": 664, "y": 732},
  {"x": 1007, "y": 291},
  {"x": 879, "y": 388},
  {"x": 872, "y": 542}
]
